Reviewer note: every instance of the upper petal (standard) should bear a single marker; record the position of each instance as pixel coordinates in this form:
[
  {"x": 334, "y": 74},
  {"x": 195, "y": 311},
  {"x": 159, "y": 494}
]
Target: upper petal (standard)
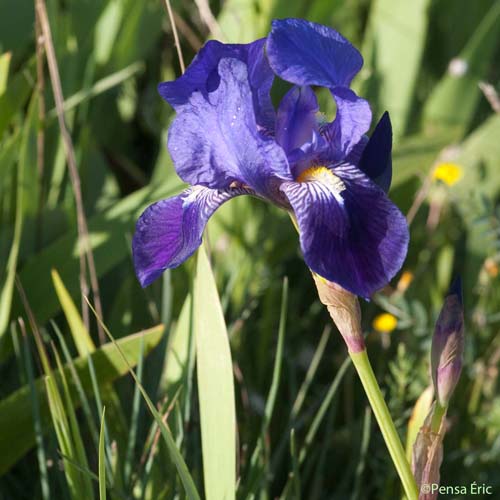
[
  {"x": 296, "y": 118},
  {"x": 214, "y": 140},
  {"x": 306, "y": 53},
  {"x": 202, "y": 76}
]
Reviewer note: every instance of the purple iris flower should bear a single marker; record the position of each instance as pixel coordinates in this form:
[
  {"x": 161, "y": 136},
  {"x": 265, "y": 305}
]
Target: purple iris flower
[{"x": 228, "y": 140}]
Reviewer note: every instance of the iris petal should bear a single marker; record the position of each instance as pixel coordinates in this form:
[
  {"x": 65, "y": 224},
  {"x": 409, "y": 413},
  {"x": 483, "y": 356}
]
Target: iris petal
[
  {"x": 350, "y": 232},
  {"x": 351, "y": 123},
  {"x": 202, "y": 76},
  {"x": 214, "y": 140},
  {"x": 296, "y": 118},
  {"x": 306, "y": 53},
  {"x": 170, "y": 231},
  {"x": 376, "y": 160}
]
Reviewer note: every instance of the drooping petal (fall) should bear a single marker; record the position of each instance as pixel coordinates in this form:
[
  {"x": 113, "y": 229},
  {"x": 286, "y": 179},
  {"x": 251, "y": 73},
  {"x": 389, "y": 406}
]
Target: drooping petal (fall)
[
  {"x": 350, "y": 232},
  {"x": 170, "y": 231}
]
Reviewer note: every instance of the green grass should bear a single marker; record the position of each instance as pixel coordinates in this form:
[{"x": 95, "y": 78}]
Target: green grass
[{"x": 244, "y": 361}]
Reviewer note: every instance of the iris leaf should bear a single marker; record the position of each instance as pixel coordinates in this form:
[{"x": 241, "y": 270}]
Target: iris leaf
[{"x": 215, "y": 386}]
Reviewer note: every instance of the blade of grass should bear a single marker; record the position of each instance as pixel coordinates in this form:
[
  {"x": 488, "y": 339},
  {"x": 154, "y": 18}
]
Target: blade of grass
[
  {"x": 85, "y": 251},
  {"x": 37, "y": 423},
  {"x": 134, "y": 423},
  {"x": 317, "y": 420},
  {"x": 17, "y": 93},
  {"x": 99, "y": 87},
  {"x": 255, "y": 470},
  {"x": 78, "y": 384},
  {"x": 61, "y": 427},
  {"x": 295, "y": 475},
  {"x": 365, "y": 441},
  {"x": 311, "y": 371},
  {"x": 102, "y": 461},
  {"x": 7, "y": 287},
  {"x": 174, "y": 453},
  {"x": 81, "y": 337},
  {"x": 17, "y": 434},
  {"x": 100, "y": 408},
  {"x": 77, "y": 449},
  {"x": 5, "y": 59},
  {"x": 320, "y": 414}
]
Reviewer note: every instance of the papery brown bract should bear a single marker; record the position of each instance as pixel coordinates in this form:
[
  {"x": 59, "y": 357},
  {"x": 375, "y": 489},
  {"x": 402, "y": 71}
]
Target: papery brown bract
[{"x": 344, "y": 310}]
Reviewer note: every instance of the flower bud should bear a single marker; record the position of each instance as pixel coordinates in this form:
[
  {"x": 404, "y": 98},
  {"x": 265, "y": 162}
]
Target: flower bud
[{"x": 448, "y": 345}]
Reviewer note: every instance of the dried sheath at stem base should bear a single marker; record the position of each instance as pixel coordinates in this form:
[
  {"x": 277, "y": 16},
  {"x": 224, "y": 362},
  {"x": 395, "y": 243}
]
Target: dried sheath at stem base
[{"x": 344, "y": 310}]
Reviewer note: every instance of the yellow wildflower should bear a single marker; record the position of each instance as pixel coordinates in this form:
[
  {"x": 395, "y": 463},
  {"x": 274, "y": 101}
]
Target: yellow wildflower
[
  {"x": 491, "y": 267},
  {"x": 449, "y": 173},
  {"x": 385, "y": 322},
  {"x": 405, "y": 281}
]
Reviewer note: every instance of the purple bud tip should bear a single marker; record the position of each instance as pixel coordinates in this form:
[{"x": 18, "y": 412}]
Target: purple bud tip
[
  {"x": 448, "y": 345},
  {"x": 456, "y": 288}
]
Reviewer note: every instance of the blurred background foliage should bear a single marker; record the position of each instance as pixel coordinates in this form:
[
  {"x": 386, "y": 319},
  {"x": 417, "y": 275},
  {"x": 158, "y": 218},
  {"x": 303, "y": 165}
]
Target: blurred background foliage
[{"x": 424, "y": 63}]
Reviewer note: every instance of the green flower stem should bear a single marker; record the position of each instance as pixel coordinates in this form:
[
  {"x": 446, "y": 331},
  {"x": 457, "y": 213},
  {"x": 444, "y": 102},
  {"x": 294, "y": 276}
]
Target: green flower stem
[{"x": 372, "y": 389}]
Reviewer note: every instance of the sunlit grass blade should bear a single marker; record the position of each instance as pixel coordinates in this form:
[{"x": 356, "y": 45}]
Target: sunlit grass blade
[
  {"x": 85, "y": 345},
  {"x": 16, "y": 94},
  {"x": 68, "y": 437},
  {"x": 99, "y": 87},
  {"x": 96, "y": 390},
  {"x": 134, "y": 423},
  {"x": 76, "y": 447},
  {"x": 175, "y": 455},
  {"x": 61, "y": 427},
  {"x": 150, "y": 451},
  {"x": 78, "y": 385},
  {"x": 5, "y": 59},
  {"x": 37, "y": 423},
  {"x": 102, "y": 461},
  {"x": 7, "y": 286},
  {"x": 180, "y": 353},
  {"x": 17, "y": 434},
  {"x": 81, "y": 337},
  {"x": 215, "y": 386}
]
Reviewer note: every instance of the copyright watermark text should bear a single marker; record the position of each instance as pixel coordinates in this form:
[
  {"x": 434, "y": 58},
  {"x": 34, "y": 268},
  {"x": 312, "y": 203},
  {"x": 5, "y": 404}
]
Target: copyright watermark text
[{"x": 470, "y": 489}]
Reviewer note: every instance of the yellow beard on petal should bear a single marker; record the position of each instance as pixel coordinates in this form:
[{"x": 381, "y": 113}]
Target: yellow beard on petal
[{"x": 324, "y": 175}]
